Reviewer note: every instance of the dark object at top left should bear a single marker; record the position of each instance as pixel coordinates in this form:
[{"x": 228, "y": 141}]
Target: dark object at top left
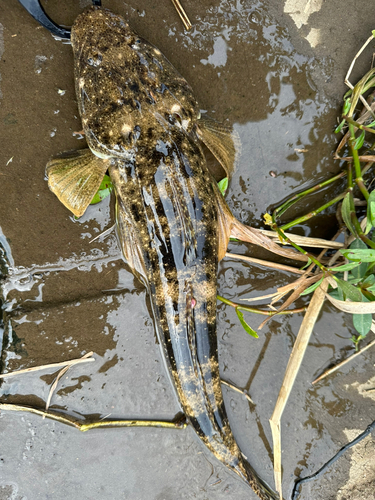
[{"x": 34, "y": 8}]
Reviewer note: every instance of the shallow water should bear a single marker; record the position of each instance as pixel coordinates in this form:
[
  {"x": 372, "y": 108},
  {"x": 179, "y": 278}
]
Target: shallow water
[{"x": 274, "y": 70}]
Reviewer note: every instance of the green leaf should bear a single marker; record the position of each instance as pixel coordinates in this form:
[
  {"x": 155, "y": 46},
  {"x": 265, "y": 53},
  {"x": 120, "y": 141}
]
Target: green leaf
[
  {"x": 358, "y": 143},
  {"x": 247, "y": 328},
  {"x": 370, "y": 297},
  {"x": 359, "y": 271},
  {"x": 349, "y": 291},
  {"x": 337, "y": 294},
  {"x": 104, "y": 190},
  {"x": 351, "y": 280},
  {"x": 345, "y": 267},
  {"x": 368, "y": 225},
  {"x": 361, "y": 254},
  {"x": 223, "y": 185},
  {"x": 356, "y": 341},
  {"x": 370, "y": 280},
  {"x": 312, "y": 287},
  {"x": 370, "y": 125},
  {"x": 339, "y": 127},
  {"x": 346, "y": 106},
  {"x": 371, "y": 210},
  {"x": 346, "y": 209},
  {"x": 362, "y": 323},
  {"x": 307, "y": 264}
]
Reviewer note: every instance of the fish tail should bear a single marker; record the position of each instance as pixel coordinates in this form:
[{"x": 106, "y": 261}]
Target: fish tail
[{"x": 260, "y": 487}]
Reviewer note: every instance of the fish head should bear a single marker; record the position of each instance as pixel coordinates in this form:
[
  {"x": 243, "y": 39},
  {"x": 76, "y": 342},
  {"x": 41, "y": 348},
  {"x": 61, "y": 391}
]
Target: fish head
[{"x": 128, "y": 93}]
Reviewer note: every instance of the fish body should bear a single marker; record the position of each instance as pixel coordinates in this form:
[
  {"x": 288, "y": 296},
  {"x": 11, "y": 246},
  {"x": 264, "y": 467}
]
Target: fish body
[{"x": 142, "y": 122}]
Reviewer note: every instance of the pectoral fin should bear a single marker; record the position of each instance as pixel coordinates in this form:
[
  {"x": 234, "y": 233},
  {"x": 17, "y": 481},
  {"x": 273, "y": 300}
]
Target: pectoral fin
[
  {"x": 74, "y": 177},
  {"x": 222, "y": 141},
  {"x": 224, "y": 221},
  {"x": 229, "y": 226},
  {"x": 129, "y": 242}
]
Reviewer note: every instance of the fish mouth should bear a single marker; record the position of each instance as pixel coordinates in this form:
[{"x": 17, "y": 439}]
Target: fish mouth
[
  {"x": 88, "y": 29},
  {"x": 93, "y": 22},
  {"x": 35, "y": 9}
]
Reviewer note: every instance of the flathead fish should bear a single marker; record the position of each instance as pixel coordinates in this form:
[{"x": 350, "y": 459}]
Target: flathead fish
[{"x": 142, "y": 123}]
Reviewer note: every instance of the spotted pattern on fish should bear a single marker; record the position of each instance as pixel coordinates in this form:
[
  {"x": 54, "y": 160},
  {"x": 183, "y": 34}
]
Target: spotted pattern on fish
[
  {"x": 127, "y": 90},
  {"x": 139, "y": 113}
]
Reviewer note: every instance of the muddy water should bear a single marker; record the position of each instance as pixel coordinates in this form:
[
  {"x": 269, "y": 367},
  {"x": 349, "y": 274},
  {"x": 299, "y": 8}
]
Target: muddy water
[{"x": 272, "y": 69}]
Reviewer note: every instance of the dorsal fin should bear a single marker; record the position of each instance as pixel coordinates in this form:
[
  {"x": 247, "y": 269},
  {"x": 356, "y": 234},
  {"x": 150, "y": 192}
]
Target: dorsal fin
[{"x": 223, "y": 142}]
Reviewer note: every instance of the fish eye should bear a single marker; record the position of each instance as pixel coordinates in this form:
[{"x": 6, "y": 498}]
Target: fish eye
[{"x": 177, "y": 118}]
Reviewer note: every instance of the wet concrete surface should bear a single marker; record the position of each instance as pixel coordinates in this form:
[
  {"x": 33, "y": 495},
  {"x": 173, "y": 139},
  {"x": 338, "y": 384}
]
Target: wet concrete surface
[{"x": 275, "y": 71}]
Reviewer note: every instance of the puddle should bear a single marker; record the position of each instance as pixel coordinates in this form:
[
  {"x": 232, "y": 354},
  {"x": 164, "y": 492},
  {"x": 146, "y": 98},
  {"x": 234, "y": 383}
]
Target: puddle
[{"x": 274, "y": 71}]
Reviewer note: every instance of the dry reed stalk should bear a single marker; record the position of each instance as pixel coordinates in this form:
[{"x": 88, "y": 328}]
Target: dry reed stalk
[
  {"x": 51, "y": 365},
  {"x": 294, "y": 364}
]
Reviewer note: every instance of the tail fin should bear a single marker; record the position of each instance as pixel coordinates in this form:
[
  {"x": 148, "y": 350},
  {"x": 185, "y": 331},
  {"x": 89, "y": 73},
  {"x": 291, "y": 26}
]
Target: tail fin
[{"x": 261, "y": 488}]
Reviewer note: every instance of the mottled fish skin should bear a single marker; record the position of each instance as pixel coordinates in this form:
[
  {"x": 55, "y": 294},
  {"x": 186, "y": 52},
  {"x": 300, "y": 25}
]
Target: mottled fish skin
[
  {"x": 139, "y": 112},
  {"x": 125, "y": 87}
]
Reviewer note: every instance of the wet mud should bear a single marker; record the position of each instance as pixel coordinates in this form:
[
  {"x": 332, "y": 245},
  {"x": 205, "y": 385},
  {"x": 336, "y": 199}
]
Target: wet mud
[{"x": 274, "y": 70}]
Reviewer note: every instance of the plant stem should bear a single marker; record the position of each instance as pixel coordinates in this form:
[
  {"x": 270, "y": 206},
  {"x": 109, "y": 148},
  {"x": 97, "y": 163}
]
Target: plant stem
[
  {"x": 308, "y": 216},
  {"x": 183, "y": 16},
  {"x": 357, "y": 164},
  {"x": 358, "y": 125},
  {"x": 350, "y": 176},
  {"x": 86, "y": 426},
  {"x": 255, "y": 310},
  {"x": 282, "y": 235},
  {"x": 339, "y": 365},
  {"x": 278, "y": 212},
  {"x": 359, "y": 231}
]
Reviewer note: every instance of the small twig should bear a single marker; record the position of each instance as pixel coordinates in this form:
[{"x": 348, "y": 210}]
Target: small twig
[
  {"x": 303, "y": 240},
  {"x": 54, "y": 385},
  {"x": 363, "y": 158},
  {"x": 356, "y": 162},
  {"x": 279, "y": 211},
  {"x": 364, "y": 116},
  {"x": 238, "y": 390},
  {"x": 45, "y": 367},
  {"x": 346, "y": 81},
  {"x": 59, "y": 375},
  {"x": 262, "y": 297},
  {"x": 310, "y": 215},
  {"x": 181, "y": 12},
  {"x": 308, "y": 255},
  {"x": 301, "y": 283},
  {"x": 358, "y": 125},
  {"x": 255, "y": 310},
  {"x": 298, "y": 287},
  {"x": 273, "y": 265},
  {"x": 294, "y": 364},
  {"x": 104, "y": 233},
  {"x": 355, "y": 441},
  {"x": 83, "y": 427},
  {"x": 342, "y": 363}
]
